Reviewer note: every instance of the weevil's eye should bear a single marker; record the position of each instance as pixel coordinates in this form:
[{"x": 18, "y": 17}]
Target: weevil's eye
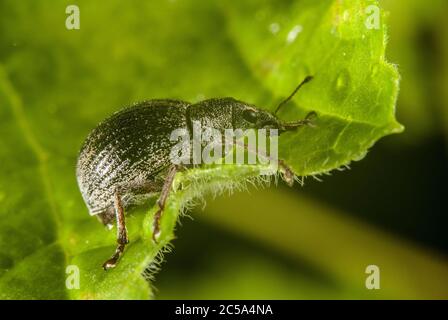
[{"x": 250, "y": 116}]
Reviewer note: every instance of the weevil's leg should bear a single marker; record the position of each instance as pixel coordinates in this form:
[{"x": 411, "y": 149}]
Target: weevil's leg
[
  {"x": 122, "y": 234},
  {"x": 162, "y": 200}
]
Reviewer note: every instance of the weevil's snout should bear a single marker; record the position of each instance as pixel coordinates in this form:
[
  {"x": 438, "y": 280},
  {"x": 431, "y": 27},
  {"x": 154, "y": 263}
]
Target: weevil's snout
[{"x": 293, "y": 125}]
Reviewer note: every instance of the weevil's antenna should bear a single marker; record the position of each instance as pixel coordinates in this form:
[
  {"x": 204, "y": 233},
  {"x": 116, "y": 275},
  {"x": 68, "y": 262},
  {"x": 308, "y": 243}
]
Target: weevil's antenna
[{"x": 307, "y": 79}]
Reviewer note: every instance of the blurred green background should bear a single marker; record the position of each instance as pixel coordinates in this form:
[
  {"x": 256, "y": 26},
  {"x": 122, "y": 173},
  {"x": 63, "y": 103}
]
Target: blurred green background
[{"x": 306, "y": 242}]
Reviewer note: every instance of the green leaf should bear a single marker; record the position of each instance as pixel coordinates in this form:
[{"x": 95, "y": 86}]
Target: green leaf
[{"x": 56, "y": 85}]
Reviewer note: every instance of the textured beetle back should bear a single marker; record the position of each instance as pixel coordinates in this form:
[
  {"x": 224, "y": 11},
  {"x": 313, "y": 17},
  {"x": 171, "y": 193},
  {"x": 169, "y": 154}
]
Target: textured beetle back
[{"x": 127, "y": 151}]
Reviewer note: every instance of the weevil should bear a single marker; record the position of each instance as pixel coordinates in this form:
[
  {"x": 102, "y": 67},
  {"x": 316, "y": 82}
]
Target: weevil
[{"x": 126, "y": 158}]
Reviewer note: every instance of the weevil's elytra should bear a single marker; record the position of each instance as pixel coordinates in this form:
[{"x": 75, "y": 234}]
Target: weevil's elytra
[{"x": 126, "y": 158}]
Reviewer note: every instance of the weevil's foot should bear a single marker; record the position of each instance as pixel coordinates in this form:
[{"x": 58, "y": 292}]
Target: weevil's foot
[
  {"x": 156, "y": 229},
  {"x": 287, "y": 174},
  {"x": 309, "y": 119},
  {"x": 111, "y": 263},
  {"x": 155, "y": 235}
]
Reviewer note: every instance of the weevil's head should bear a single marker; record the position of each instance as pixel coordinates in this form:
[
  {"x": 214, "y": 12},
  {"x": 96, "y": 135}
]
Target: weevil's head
[
  {"x": 250, "y": 117},
  {"x": 228, "y": 113}
]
